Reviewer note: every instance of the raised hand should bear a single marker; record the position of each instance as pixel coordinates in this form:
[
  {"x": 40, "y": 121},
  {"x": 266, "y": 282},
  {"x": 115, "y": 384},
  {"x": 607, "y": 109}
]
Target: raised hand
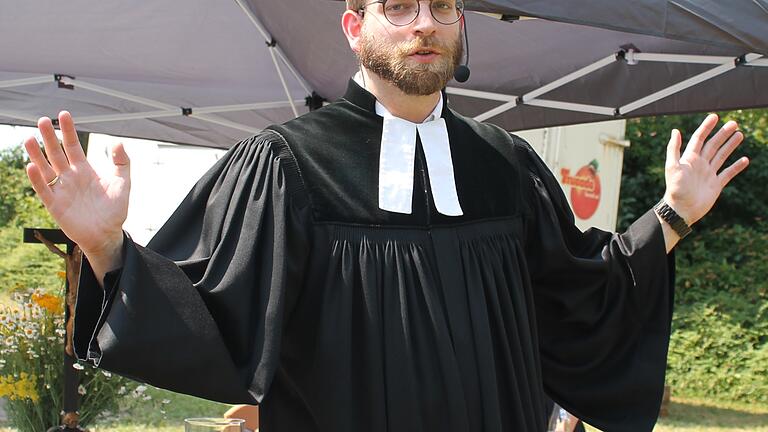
[
  {"x": 90, "y": 209},
  {"x": 694, "y": 180}
]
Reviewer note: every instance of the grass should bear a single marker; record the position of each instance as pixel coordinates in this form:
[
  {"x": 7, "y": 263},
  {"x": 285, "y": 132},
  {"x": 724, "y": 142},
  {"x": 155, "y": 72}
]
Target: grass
[
  {"x": 698, "y": 415},
  {"x": 685, "y": 415}
]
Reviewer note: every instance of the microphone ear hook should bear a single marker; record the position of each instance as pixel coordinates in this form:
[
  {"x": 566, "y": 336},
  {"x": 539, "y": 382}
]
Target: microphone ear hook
[{"x": 461, "y": 74}]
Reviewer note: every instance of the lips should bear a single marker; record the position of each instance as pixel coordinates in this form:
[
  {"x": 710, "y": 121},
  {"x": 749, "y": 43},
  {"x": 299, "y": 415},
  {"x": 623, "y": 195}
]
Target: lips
[{"x": 424, "y": 51}]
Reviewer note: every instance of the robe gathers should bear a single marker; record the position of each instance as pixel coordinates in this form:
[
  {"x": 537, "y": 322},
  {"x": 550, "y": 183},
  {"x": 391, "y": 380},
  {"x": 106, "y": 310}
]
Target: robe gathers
[{"x": 280, "y": 282}]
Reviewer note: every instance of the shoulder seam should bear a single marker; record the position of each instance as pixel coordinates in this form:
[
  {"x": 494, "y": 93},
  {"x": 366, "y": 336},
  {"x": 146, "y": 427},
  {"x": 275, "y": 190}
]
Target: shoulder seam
[{"x": 291, "y": 166}]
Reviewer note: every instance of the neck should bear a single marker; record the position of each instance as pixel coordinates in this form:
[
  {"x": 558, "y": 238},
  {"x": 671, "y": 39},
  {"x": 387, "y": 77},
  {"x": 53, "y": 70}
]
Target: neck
[{"x": 409, "y": 107}]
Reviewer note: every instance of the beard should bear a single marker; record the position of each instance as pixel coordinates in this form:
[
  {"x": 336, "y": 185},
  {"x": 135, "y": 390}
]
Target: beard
[{"x": 391, "y": 63}]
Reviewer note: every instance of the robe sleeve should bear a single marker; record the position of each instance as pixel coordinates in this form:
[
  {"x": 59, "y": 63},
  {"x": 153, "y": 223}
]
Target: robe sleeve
[
  {"x": 201, "y": 310},
  {"x": 603, "y": 309}
]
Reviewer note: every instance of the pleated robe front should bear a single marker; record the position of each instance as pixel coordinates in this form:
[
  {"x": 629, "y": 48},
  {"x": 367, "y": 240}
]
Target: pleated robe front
[{"x": 280, "y": 282}]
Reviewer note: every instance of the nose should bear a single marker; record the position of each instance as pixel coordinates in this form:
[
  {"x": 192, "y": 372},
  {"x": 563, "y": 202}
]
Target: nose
[{"x": 424, "y": 23}]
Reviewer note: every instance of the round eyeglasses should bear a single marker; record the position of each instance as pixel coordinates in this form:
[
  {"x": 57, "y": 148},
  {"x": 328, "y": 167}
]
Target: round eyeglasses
[{"x": 404, "y": 12}]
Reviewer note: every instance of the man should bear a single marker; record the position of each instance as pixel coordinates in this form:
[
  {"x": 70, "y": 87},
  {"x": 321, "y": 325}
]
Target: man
[{"x": 384, "y": 263}]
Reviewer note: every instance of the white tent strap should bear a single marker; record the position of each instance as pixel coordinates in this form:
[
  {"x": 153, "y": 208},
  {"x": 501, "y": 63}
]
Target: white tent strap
[
  {"x": 480, "y": 94},
  {"x": 18, "y": 116},
  {"x": 726, "y": 64},
  {"x": 26, "y": 81},
  {"x": 496, "y": 111},
  {"x": 569, "y": 78},
  {"x": 167, "y": 110},
  {"x": 682, "y": 85},
  {"x": 691, "y": 59},
  {"x": 200, "y": 113},
  {"x": 569, "y": 106},
  {"x": 282, "y": 79},
  {"x": 118, "y": 94},
  {"x": 226, "y": 123},
  {"x": 270, "y": 41}
]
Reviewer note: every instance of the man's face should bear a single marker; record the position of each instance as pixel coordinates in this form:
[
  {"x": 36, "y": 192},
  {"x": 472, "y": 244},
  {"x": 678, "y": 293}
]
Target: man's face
[{"x": 418, "y": 58}]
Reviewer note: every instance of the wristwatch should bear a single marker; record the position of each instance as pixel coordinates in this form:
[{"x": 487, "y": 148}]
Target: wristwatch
[{"x": 674, "y": 220}]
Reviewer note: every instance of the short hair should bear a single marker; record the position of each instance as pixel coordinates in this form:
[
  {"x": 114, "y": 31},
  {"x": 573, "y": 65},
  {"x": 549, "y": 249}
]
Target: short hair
[{"x": 355, "y": 5}]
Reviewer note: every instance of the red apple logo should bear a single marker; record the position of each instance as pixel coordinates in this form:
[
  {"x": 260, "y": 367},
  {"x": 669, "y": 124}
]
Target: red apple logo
[{"x": 585, "y": 189}]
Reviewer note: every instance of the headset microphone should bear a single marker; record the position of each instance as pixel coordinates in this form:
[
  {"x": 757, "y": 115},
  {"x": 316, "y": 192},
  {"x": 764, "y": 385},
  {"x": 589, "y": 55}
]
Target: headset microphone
[{"x": 461, "y": 74}]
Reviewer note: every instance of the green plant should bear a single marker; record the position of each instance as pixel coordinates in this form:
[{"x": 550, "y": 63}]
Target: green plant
[
  {"x": 31, "y": 375},
  {"x": 720, "y": 342}
]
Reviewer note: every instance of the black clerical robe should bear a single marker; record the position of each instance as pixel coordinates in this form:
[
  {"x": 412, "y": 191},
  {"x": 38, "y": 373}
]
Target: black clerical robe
[{"x": 279, "y": 281}]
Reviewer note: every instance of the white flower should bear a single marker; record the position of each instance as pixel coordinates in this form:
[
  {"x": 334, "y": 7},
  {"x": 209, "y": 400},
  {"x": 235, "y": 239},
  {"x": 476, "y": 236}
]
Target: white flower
[
  {"x": 106, "y": 373},
  {"x": 81, "y": 390},
  {"x": 78, "y": 366},
  {"x": 166, "y": 401},
  {"x": 121, "y": 390},
  {"x": 146, "y": 398},
  {"x": 141, "y": 389}
]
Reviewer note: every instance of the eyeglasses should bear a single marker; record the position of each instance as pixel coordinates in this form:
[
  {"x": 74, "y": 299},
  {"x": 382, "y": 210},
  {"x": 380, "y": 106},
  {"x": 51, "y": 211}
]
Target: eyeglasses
[{"x": 404, "y": 12}]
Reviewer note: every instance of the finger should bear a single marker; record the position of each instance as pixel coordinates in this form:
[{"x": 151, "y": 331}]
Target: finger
[
  {"x": 673, "y": 148},
  {"x": 732, "y": 171},
  {"x": 70, "y": 140},
  {"x": 713, "y": 145},
  {"x": 697, "y": 139},
  {"x": 36, "y": 156},
  {"x": 121, "y": 161},
  {"x": 39, "y": 184},
  {"x": 53, "y": 151},
  {"x": 725, "y": 151}
]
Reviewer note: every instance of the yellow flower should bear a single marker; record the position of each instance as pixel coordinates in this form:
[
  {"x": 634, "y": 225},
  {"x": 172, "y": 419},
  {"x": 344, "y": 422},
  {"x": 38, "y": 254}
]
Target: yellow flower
[
  {"x": 51, "y": 303},
  {"x": 23, "y": 388},
  {"x": 61, "y": 274}
]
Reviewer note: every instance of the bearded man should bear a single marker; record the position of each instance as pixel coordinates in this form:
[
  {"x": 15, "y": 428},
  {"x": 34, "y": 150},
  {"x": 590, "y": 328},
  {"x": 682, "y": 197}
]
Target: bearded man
[{"x": 383, "y": 263}]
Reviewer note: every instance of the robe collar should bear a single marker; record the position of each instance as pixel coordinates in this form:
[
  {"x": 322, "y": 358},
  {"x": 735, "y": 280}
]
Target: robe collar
[{"x": 398, "y": 153}]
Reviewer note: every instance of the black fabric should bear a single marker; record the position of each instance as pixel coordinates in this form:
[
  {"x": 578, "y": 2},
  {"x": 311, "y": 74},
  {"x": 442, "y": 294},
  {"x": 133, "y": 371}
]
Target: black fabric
[{"x": 280, "y": 282}]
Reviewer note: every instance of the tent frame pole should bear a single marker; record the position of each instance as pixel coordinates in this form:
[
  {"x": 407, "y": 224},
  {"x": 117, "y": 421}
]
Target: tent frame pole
[
  {"x": 632, "y": 58},
  {"x": 682, "y": 85},
  {"x": 45, "y": 79},
  {"x": 275, "y": 52},
  {"x": 167, "y": 109}
]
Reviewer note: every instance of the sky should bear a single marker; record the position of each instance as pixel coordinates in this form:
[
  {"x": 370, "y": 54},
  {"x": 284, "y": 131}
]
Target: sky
[{"x": 11, "y": 136}]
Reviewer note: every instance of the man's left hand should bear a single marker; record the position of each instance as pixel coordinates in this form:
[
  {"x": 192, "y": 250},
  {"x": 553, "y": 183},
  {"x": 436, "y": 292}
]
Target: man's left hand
[{"x": 694, "y": 180}]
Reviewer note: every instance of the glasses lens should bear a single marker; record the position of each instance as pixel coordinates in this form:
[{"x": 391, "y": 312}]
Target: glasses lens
[
  {"x": 447, "y": 11},
  {"x": 401, "y": 12}
]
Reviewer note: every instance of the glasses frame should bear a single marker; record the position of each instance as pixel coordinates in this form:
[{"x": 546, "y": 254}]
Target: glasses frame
[{"x": 418, "y": 11}]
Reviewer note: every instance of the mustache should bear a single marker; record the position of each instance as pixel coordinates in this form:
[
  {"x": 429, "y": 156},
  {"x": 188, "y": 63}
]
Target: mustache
[{"x": 428, "y": 42}]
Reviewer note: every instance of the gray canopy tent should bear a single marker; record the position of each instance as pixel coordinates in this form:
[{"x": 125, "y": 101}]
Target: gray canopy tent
[{"x": 211, "y": 73}]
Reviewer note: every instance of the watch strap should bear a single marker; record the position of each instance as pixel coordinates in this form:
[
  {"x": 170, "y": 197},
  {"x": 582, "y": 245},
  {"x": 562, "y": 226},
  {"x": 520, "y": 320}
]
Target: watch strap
[{"x": 669, "y": 215}]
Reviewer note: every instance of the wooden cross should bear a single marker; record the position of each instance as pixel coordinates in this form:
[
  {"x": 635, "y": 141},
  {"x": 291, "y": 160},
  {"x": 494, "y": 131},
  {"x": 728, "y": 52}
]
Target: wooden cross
[{"x": 72, "y": 257}]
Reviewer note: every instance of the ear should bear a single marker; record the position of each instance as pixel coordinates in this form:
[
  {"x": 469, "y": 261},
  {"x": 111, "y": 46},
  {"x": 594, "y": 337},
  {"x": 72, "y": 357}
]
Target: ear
[{"x": 352, "y": 24}]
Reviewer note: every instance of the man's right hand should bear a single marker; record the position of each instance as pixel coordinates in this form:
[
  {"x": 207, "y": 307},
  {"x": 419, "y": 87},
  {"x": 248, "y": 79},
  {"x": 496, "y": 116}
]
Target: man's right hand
[{"x": 89, "y": 208}]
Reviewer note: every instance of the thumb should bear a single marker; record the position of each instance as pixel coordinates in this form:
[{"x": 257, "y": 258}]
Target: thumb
[{"x": 121, "y": 161}]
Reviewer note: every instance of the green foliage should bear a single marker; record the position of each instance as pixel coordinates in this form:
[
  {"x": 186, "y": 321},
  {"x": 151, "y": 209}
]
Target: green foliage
[
  {"x": 642, "y": 183},
  {"x": 22, "y": 266},
  {"x": 720, "y": 341},
  {"x": 14, "y": 187},
  {"x": 719, "y": 345}
]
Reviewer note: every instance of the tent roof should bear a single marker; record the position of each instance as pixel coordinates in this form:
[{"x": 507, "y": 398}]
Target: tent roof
[{"x": 203, "y": 73}]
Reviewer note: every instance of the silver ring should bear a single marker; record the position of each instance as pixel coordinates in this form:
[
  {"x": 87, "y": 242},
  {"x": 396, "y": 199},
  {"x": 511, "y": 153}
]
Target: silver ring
[{"x": 53, "y": 182}]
